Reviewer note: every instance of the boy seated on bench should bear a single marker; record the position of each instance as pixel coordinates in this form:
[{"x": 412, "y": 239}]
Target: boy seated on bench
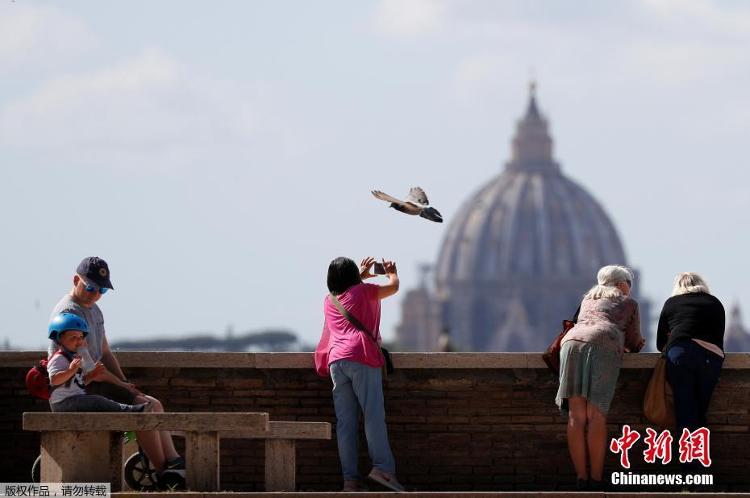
[{"x": 67, "y": 386}]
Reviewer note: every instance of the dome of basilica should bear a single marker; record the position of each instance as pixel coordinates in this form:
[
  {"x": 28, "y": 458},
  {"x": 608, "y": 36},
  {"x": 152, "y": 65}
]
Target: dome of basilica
[
  {"x": 516, "y": 258},
  {"x": 530, "y": 220}
]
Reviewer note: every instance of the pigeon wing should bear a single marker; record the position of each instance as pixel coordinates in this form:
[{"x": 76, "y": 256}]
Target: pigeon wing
[
  {"x": 417, "y": 196},
  {"x": 385, "y": 197}
]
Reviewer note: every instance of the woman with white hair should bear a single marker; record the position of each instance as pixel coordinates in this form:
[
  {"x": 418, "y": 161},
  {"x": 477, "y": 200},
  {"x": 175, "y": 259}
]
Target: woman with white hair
[
  {"x": 691, "y": 335},
  {"x": 590, "y": 358}
]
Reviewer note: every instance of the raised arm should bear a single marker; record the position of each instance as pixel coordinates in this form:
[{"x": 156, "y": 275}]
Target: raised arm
[
  {"x": 634, "y": 341},
  {"x": 64, "y": 376},
  {"x": 110, "y": 361}
]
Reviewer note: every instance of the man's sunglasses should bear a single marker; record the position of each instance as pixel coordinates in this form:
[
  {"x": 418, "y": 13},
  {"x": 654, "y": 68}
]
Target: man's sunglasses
[{"x": 94, "y": 288}]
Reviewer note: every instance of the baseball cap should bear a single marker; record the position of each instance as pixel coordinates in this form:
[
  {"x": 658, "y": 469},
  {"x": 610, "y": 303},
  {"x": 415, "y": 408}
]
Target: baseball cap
[{"x": 95, "y": 270}]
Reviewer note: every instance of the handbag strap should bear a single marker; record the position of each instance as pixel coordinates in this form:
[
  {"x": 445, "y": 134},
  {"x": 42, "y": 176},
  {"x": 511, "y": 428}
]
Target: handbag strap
[{"x": 357, "y": 324}]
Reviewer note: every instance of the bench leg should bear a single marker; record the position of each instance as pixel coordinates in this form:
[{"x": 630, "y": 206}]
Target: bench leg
[
  {"x": 280, "y": 465},
  {"x": 73, "y": 456},
  {"x": 115, "y": 460},
  {"x": 202, "y": 461}
]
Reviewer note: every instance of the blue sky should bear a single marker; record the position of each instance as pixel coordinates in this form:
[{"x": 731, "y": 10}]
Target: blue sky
[{"x": 219, "y": 155}]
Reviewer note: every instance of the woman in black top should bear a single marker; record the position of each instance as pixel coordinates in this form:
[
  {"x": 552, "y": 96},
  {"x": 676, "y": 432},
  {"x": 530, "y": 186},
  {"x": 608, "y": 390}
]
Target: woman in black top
[{"x": 691, "y": 333}]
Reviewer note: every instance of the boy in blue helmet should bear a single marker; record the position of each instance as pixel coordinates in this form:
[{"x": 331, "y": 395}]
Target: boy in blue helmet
[
  {"x": 90, "y": 282},
  {"x": 67, "y": 386}
]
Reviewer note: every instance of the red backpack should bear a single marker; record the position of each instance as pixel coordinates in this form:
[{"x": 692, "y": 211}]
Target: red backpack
[{"x": 37, "y": 379}]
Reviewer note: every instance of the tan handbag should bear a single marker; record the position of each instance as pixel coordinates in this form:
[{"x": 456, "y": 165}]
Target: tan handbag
[{"x": 658, "y": 402}]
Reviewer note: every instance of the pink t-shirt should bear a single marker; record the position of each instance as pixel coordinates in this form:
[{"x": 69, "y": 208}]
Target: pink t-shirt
[{"x": 346, "y": 342}]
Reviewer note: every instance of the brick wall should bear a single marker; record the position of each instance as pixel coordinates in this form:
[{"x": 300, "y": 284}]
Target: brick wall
[{"x": 456, "y": 421}]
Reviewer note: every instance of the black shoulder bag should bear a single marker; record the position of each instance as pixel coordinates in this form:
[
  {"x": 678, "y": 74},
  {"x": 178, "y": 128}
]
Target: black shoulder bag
[{"x": 388, "y": 367}]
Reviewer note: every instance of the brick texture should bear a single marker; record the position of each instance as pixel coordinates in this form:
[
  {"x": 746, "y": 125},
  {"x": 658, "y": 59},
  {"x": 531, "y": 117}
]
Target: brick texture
[{"x": 450, "y": 429}]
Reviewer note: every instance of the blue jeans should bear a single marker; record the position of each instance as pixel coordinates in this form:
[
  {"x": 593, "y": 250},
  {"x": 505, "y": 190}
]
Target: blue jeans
[
  {"x": 693, "y": 372},
  {"x": 356, "y": 386}
]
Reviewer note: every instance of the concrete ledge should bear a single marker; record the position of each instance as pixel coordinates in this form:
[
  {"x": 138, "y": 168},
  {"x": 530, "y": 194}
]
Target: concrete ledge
[
  {"x": 171, "y": 421},
  {"x": 280, "y": 430},
  {"x": 151, "y": 359}
]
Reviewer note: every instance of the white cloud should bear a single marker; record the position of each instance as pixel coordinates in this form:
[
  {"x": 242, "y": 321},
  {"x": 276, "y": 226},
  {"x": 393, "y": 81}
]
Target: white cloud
[
  {"x": 146, "y": 109},
  {"x": 479, "y": 74},
  {"x": 675, "y": 64},
  {"x": 666, "y": 47},
  {"x": 485, "y": 17},
  {"x": 700, "y": 16},
  {"x": 411, "y": 17},
  {"x": 416, "y": 17},
  {"x": 32, "y": 36}
]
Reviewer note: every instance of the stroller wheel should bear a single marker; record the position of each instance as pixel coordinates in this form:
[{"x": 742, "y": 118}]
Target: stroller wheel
[
  {"x": 138, "y": 474},
  {"x": 36, "y": 470}
]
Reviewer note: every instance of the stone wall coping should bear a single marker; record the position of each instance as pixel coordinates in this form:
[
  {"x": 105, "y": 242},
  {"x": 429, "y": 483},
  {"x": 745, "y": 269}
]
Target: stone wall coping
[
  {"x": 251, "y": 423},
  {"x": 182, "y": 359}
]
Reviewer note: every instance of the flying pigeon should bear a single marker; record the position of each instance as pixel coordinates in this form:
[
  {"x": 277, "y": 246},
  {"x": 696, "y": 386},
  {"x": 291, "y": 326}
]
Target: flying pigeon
[{"x": 416, "y": 204}]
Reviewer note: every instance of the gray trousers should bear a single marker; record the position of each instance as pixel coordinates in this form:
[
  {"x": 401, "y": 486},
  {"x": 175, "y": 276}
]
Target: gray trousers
[{"x": 93, "y": 403}]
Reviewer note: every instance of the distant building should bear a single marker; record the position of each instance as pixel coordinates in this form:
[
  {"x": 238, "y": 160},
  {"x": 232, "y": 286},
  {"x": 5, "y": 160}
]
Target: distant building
[
  {"x": 736, "y": 336},
  {"x": 271, "y": 340},
  {"x": 516, "y": 258}
]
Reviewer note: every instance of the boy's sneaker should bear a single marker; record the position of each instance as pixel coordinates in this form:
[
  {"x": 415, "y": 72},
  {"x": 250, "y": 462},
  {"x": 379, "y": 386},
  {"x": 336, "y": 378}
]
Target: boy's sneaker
[
  {"x": 174, "y": 472},
  {"x": 171, "y": 480},
  {"x": 176, "y": 464}
]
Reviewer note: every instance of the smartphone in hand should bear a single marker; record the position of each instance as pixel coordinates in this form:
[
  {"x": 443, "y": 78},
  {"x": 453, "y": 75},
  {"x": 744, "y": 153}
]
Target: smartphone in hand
[{"x": 378, "y": 268}]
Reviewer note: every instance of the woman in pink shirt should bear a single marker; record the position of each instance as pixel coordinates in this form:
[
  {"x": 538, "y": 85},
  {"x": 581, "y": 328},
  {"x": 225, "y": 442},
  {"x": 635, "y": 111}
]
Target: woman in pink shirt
[{"x": 355, "y": 363}]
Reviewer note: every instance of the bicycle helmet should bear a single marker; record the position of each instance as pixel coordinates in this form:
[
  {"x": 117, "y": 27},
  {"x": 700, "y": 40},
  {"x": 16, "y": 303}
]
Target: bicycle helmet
[{"x": 66, "y": 321}]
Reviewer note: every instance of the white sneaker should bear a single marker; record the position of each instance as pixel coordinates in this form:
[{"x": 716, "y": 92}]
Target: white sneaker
[{"x": 385, "y": 479}]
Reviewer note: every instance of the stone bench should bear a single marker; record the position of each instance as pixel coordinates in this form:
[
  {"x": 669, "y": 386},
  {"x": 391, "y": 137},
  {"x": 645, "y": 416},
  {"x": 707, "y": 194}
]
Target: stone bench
[
  {"x": 281, "y": 454},
  {"x": 76, "y": 445},
  {"x": 87, "y": 446},
  {"x": 281, "y": 449}
]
